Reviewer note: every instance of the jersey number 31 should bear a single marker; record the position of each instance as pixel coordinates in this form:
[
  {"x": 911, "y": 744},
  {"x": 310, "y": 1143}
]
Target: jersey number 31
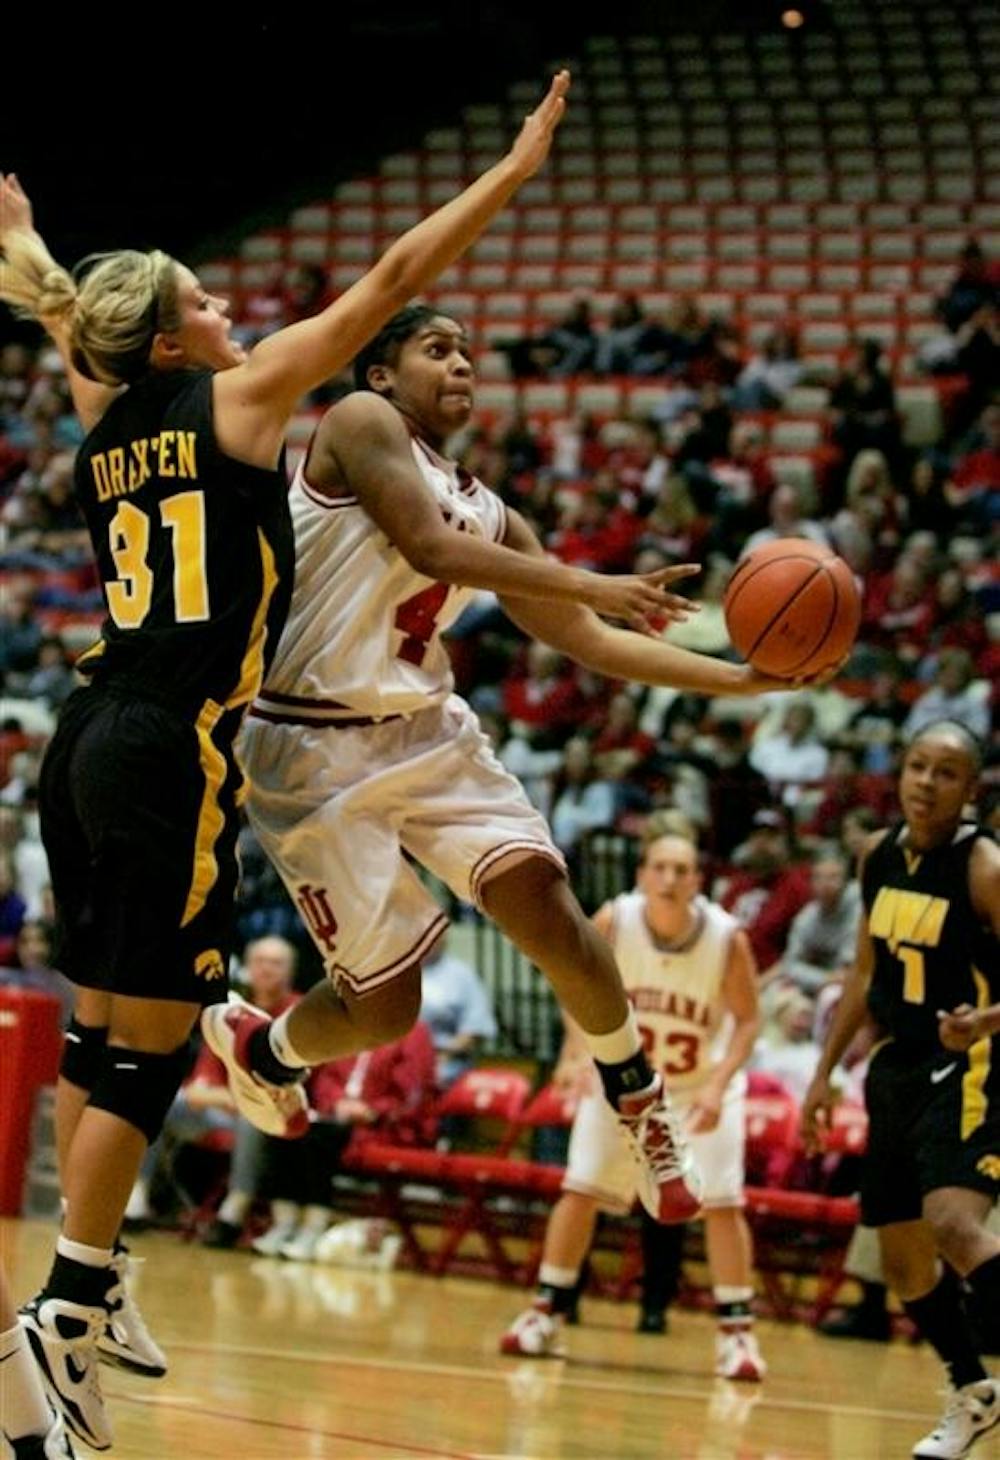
[{"x": 131, "y": 593}]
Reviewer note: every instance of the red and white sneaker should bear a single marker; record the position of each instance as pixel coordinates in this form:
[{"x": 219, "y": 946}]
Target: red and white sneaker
[
  {"x": 738, "y": 1357},
  {"x": 279, "y": 1110},
  {"x": 668, "y": 1180},
  {"x": 535, "y": 1334}
]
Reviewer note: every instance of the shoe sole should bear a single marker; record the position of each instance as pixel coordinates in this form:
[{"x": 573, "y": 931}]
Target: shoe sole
[
  {"x": 514, "y": 1351},
  {"x": 68, "y": 1408},
  {"x": 250, "y": 1098},
  {"x": 116, "y": 1360}
]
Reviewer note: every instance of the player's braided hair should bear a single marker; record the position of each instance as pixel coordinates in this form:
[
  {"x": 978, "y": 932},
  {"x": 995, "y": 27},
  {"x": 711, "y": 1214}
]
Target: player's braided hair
[{"x": 385, "y": 347}]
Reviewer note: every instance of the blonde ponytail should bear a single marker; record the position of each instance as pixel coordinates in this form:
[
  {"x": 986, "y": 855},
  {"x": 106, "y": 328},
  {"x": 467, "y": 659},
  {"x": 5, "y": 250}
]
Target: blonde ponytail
[
  {"x": 110, "y": 317},
  {"x": 31, "y": 281}
]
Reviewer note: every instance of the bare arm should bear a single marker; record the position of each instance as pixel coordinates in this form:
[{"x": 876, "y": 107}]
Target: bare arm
[
  {"x": 964, "y": 1026},
  {"x": 257, "y": 398},
  {"x": 364, "y": 443},
  {"x": 851, "y": 1013},
  {"x": 739, "y": 994},
  {"x": 579, "y": 634},
  {"x": 90, "y": 400}
]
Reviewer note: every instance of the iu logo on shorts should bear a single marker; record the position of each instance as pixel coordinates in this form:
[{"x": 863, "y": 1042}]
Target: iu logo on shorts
[{"x": 315, "y": 908}]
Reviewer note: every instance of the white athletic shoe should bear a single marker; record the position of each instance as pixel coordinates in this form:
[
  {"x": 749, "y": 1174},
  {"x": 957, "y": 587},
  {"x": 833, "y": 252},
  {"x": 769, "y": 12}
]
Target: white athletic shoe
[
  {"x": 53, "y": 1445},
  {"x": 277, "y": 1236},
  {"x": 126, "y": 1341},
  {"x": 971, "y": 1411},
  {"x": 738, "y": 1357},
  {"x": 668, "y": 1181},
  {"x": 278, "y": 1110},
  {"x": 63, "y": 1338},
  {"x": 535, "y": 1334},
  {"x": 301, "y": 1247}
]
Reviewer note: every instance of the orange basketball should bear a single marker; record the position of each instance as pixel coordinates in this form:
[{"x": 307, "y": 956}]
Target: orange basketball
[{"x": 792, "y": 608}]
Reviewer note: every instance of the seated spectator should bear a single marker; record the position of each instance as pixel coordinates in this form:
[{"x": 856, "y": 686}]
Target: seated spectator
[
  {"x": 456, "y": 1009},
  {"x": 718, "y": 358},
  {"x": 53, "y": 679},
  {"x": 20, "y": 632},
  {"x": 898, "y": 611},
  {"x": 975, "y": 284},
  {"x": 952, "y": 696},
  {"x": 793, "y": 757},
  {"x": 863, "y": 405},
  {"x": 926, "y": 505},
  {"x": 766, "y": 379},
  {"x": 785, "y": 512},
  {"x": 822, "y": 939},
  {"x": 674, "y": 527},
  {"x": 738, "y": 791},
  {"x": 205, "y": 1105},
  {"x": 12, "y": 911},
  {"x": 959, "y": 620},
  {"x": 667, "y": 347},
  {"x": 876, "y": 726},
  {"x": 766, "y": 887},
  {"x": 546, "y": 695},
  {"x": 870, "y": 493},
  {"x": 379, "y": 1094},
  {"x": 620, "y": 746},
  {"x": 973, "y": 489},
  {"x": 978, "y": 358},
  {"x": 565, "y": 349},
  {"x": 583, "y": 801},
  {"x": 786, "y": 1048},
  {"x": 845, "y": 786},
  {"x": 615, "y": 351},
  {"x": 31, "y": 967}
]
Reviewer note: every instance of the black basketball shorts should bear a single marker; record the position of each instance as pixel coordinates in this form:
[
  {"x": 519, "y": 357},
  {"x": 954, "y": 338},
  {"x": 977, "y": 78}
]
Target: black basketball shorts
[
  {"x": 139, "y": 819},
  {"x": 933, "y": 1121}
]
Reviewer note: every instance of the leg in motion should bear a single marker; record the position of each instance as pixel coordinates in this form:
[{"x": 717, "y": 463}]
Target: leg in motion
[
  {"x": 537, "y": 1332},
  {"x": 730, "y": 1261}
]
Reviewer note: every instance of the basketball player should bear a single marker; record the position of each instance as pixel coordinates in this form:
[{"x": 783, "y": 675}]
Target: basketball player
[
  {"x": 359, "y": 754},
  {"x": 927, "y": 972},
  {"x": 686, "y": 966},
  {"x": 181, "y": 482},
  {"x": 29, "y": 1424}
]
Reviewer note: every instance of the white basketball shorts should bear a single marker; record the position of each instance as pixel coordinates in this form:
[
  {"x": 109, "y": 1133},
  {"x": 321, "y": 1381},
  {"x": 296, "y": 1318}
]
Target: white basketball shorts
[
  {"x": 338, "y": 810},
  {"x": 600, "y": 1165}
]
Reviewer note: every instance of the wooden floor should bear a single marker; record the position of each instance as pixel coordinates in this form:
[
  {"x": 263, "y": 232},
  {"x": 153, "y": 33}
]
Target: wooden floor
[{"x": 272, "y": 1359}]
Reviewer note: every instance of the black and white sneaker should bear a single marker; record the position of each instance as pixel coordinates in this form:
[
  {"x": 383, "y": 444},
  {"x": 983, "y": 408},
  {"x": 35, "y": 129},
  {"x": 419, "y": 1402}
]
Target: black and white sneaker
[
  {"x": 972, "y": 1411},
  {"x": 63, "y": 1338},
  {"x": 53, "y": 1445},
  {"x": 126, "y": 1341}
]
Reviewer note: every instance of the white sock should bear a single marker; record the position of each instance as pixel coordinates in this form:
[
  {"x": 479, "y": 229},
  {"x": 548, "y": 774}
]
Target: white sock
[
  {"x": 281, "y": 1043},
  {"x": 316, "y": 1218},
  {"x": 235, "y": 1207},
  {"x": 80, "y": 1252},
  {"x": 558, "y": 1277},
  {"x": 285, "y": 1213},
  {"x": 25, "y": 1408},
  {"x": 618, "y": 1046}
]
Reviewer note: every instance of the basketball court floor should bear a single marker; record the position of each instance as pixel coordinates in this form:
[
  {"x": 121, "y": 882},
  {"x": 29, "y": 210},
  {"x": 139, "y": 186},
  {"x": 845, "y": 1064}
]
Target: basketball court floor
[{"x": 279, "y": 1361}]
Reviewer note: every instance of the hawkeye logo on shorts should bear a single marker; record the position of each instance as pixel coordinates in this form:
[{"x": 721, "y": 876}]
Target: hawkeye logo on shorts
[
  {"x": 989, "y": 1166},
  {"x": 314, "y": 905},
  {"x": 209, "y": 965}
]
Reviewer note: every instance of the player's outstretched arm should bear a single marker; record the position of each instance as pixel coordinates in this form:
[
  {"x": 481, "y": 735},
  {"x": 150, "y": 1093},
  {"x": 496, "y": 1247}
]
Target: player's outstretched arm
[
  {"x": 364, "y": 443},
  {"x": 294, "y": 360},
  {"x": 20, "y": 239}
]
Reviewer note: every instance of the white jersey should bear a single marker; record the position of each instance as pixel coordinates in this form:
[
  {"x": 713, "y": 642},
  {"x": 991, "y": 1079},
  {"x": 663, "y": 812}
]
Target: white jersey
[
  {"x": 363, "y": 634},
  {"x": 676, "y": 992}
]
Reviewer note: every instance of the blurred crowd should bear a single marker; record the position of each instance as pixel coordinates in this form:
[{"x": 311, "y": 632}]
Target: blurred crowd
[{"x": 782, "y": 791}]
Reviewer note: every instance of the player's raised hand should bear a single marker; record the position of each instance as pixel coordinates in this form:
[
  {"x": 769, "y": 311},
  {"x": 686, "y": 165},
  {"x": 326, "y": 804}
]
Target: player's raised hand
[
  {"x": 642, "y": 600},
  {"x": 535, "y": 138},
  {"x": 15, "y": 207}
]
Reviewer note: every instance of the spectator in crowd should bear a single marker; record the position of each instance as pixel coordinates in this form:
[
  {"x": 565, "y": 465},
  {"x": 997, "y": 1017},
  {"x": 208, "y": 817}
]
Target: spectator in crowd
[
  {"x": 845, "y": 786},
  {"x": 953, "y": 696},
  {"x": 546, "y": 695},
  {"x": 875, "y": 728},
  {"x": 794, "y": 757},
  {"x": 12, "y": 910},
  {"x": 785, "y": 512},
  {"x": 870, "y": 494},
  {"x": 737, "y": 789},
  {"x": 767, "y": 377},
  {"x": 20, "y": 632},
  {"x": 898, "y": 611},
  {"x": 584, "y": 801},
  {"x": 565, "y": 349},
  {"x": 958, "y": 618},
  {"x": 457, "y": 1011},
  {"x": 823, "y": 934},
  {"x": 863, "y": 405},
  {"x": 766, "y": 887},
  {"x": 927, "y": 506},
  {"x": 674, "y": 527},
  {"x": 975, "y": 284},
  {"x": 973, "y": 489},
  {"x": 786, "y": 1048},
  {"x": 381, "y": 1094},
  {"x": 615, "y": 351},
  {"x": 620, "y": 748},
  {"x": 31, "y": 967},
  {"x": 53, "y": 679}
]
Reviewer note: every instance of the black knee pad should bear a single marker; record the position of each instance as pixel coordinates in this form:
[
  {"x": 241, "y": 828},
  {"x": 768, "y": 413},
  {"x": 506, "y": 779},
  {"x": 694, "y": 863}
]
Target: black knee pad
[
  {"x": 83, "y": 1053},
  {"x": 139, "y": 1087}
]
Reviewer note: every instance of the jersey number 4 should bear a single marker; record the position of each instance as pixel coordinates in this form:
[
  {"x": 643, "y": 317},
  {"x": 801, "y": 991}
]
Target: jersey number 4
[
  {"x": 131, "y": 593},
  {"x": 416, "y": 619}
]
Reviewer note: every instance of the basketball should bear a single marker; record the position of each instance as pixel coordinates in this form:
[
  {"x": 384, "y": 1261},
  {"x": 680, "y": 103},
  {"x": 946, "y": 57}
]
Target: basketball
[{"x": 792, "y": 608}]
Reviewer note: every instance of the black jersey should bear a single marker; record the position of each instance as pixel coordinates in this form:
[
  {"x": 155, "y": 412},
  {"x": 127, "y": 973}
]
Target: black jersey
[
  {"x": 195, "y": 549},
  {"x": 932, "y": 950}
]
